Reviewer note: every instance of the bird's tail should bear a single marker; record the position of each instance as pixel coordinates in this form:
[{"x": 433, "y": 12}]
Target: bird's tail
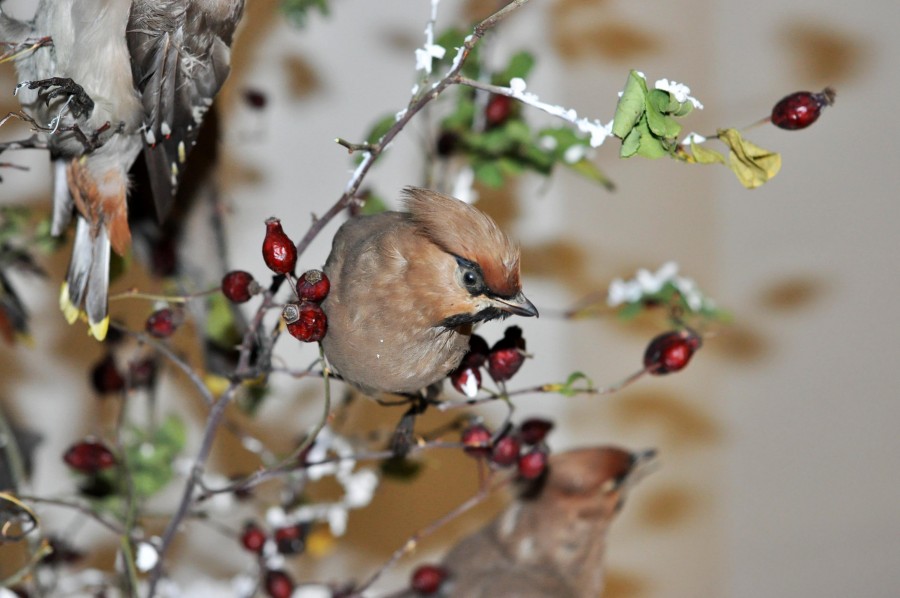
[{"x": 87, "y": 282}]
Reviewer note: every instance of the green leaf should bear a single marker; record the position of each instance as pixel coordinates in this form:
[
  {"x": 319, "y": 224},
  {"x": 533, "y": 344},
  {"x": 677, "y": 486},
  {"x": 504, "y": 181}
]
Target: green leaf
[
  {"x": 629, "y": 311},
  {"x": 569, "y": 389},
  {"x": 489, "y": 174},
  {"x": 373, "y": 205},
  {"x": 631, "y": 144},
  {"x": 703, "y": 155},
  {"x": 589, "y": 170},
  {"x": 752, "y": 164},
  {"x": 220, "y": 323},
  {"x": 650, "y": 145},
  {"x": 660, "y": 99},
  {"x": 661, "y": 125},
  {"x": 631, "y": 105},
  {"x": 451, "y": 40},
  {"x": 520, "y": 66},
  {"x": 297, "y": 11},
  {"x": 683, "y": 110},
  {"x": 380, "y": 128}
]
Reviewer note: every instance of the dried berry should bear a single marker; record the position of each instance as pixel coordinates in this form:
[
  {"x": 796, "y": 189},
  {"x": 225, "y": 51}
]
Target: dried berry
[
  {"x": 279, "y": 252},
  {"x": 532, "y": 464},
  {"x": 428, "y": 579},
  {"x": 507, "y": 355},
  {"x": 670, "y": 351},
  {"x": 466, "y": 379},
  {"x": 105, "y": 376},
  {"x": 291, "y": 539},
  {"x": 478, "y": 351},
  {"x": 239, "y": 286},
  {"x": 534, "y": 430},
  {"x": 498, "y": 110},
  {"x": 305, "y": 321},
  {"x": 255, "y": 98},
  {"x": 279, "y": 584},
  {"x": 447, "y": 143},
  {"x": 801, "y": 109},
  {"x": 506, "y": 451},
  {"x": 313, "y": 286},
  {"x": 89, "y": 456},
  {"x": 476, "y": 441},
  {"x": 163, "y": 322},
  {"x": 253, "y": 538}
]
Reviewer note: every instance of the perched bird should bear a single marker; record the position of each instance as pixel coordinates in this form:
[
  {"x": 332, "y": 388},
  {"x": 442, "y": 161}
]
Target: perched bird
[
  {"x": 408, "y": 287},
  {"x": 551, "y": 540},
  {"x": 120, "y": 76}
]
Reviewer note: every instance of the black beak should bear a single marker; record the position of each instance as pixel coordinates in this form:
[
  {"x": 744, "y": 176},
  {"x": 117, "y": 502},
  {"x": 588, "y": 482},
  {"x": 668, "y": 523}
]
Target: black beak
[{"x": 518, "y": 305}]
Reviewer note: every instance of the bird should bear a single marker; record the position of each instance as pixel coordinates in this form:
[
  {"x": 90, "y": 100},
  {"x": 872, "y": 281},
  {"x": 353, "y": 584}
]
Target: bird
[
  {"x": 551, "y": 540},
  {"x": 120, "y": 77},
  {"x": 407, "y": 289}
]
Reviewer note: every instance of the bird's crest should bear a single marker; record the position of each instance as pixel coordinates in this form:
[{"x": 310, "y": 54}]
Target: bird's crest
[{"x": 464, "y": 231}]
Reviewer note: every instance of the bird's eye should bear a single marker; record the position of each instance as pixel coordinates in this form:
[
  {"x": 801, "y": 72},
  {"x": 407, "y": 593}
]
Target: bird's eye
[{"x": 470, "y": 277}]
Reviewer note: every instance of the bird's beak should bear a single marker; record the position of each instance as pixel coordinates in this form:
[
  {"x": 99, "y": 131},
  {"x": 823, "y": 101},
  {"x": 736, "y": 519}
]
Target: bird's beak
[{"x": 518, "y": 305}]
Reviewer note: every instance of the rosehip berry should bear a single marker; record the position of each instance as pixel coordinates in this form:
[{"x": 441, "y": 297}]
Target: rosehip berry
[
  {"x": 305, "y": 321},
  {"x": 428, "y": 579},
  {"x": 279, "y": 252},
  {"x": 253, "y": 538},
  {"x": 507, "y": 355},
  {"x": 291, "y": 539},
  {"x": 239, "y": 286},
  {"x": 498, "y": 110},
  {"x": 466, "y": 379},
  {"x": 670, "y": 351},
  {"x": 534, "y": 430},
  {"x": 506, "y": 451},
  {"x": 532, "y": 465},
  {"x": 313, "y": 286},
  {"x": 279, "y": 584},
  {"x": 89, "y": 456},
  {"x": 801, "y": 109},
  {"x": 476, "y": 441},
  {"x": 162, "y": 323},
  {"x": 105, "y": 376},
  {"x": 478, "y": 351}
]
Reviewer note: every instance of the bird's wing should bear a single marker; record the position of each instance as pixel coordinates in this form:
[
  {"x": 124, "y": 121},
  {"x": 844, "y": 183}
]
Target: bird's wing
[{"x": 181, "y": 53}]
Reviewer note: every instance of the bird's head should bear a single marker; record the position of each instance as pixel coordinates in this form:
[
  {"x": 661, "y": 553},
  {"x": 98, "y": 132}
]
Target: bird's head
[{"x": 481, "y": 264}]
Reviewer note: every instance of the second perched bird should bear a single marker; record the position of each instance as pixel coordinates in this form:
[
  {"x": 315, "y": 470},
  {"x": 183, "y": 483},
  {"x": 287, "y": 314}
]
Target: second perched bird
[{"x": 407, "y": 288}]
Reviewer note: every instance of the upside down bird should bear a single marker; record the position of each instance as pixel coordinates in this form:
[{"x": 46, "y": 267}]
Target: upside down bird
[
  {"x": 408, "y": 287},
  {"x": 119, "y": 77}
]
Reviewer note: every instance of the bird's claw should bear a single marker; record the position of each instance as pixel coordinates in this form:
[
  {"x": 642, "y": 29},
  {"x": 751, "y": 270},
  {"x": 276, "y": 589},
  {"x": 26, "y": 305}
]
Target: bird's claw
[{"x": 80, "y": 103}]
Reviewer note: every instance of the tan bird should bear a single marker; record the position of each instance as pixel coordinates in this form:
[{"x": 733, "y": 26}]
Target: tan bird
[
  {"x": 407, "y": 288},
  {"x": 551, "y": 541}
]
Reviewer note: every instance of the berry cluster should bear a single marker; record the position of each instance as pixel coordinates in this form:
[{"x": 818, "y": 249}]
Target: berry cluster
[
  {"x": 523, "y": 446},
  {"x": 502, "y": 361}
]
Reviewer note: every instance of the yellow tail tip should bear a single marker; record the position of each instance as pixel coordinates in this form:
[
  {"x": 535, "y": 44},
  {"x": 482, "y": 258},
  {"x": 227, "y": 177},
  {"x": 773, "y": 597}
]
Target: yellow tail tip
[
  {"x": 99, "y": 329},
  {"x": 70, "y": 311}
]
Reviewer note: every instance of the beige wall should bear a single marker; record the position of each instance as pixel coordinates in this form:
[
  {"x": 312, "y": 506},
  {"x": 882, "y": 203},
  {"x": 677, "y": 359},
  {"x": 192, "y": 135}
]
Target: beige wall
[{"x": 779, "y": 444}]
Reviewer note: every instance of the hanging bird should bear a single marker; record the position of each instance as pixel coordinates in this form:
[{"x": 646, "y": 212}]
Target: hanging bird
[
  {"x": 550, "y": 541},
  {"x": 408, "y": 287},
  {"x": 120, "y": 76}
]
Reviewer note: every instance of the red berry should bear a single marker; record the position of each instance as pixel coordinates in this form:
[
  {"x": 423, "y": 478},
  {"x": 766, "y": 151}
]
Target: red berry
[
  {"x": 279, "y": 252},
  {"x": 313, "y": 286},
  {"x": 279, "y": 584},
  {"x": 291, "y": 539},
  {"x": 255, "y": 98},
  {"x": 478, "y": 351},
  {"x": 507, "y": 355},
  {"x": 428, "y": 579},
  {"x": 466, "y": 379},
  {"x": 670, "y": 351},
  {"x": 238, "y": 286},
  {"x": 532, "y": 465},
  {"x": 498, "y": 110},
  {"x": 476, "y": 441},
  {"x": 305, "y": 321},
  {"x": 89, "y": 456},
  {"x": 253, "y": 538},
  {"x": 534, "y": 430},
  {"x": 163, "y": 322},
  {"x": 105, "y": 376},
  {"x": 801, "y": 109},
  {"x": 506, "y": 451}
]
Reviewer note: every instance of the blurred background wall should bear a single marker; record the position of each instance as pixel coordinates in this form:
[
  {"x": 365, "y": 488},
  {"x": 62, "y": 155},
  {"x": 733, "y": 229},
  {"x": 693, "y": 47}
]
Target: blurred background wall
[{"x": 779, "y": 444}]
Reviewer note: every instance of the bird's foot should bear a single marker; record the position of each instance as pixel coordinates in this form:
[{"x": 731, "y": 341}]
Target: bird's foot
[{"x": 79, "y": 102}]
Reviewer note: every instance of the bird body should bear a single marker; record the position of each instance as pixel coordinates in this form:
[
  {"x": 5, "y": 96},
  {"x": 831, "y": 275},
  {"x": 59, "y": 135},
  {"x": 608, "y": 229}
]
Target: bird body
[
  {"x": 120, "y": 76},
  {"x": 408, "y": 287},
  {"x": 552, "y": 540}
]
